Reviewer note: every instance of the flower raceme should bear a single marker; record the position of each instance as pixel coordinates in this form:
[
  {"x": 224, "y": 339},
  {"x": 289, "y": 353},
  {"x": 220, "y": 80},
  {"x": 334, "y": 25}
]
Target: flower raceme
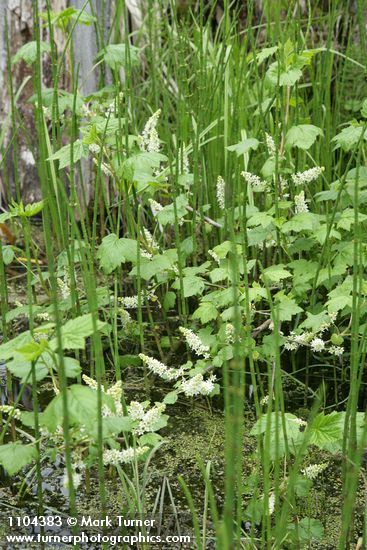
[
  {"x": 317, "y": 344},
  {"x": 194, "y": 342},
  {"x": 195, "y": 385},
  {"x": 149, "y": 140},
  {"x": 147, "y": 418},
  {"x": 300, "y": 203},
  {"x": 161, "y": 369},
  {"x": 198, "y": 386},
  {"x": 270, "y": 145},
  {"x": 155, "y": 206},
  {"x": 116, "y": 457},
  {"x": 254, "y": 181},
  {"x": 302, "y": 178},
  {"x": 221, "y": 193},
  {"x": 312, "y": 471}
]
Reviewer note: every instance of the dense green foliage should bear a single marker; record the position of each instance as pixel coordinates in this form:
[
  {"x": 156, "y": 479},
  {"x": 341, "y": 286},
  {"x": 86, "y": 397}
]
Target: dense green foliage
[{"x": 220, "y": 256}]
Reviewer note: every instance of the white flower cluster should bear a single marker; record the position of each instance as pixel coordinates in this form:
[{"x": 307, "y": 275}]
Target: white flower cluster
[
  {"x": 105, "y": 169},
  {"x": 317, "y": 344},
  {"x": 78, "y": 468},
  {"x": 160, "y": 368},
  {"x": 129, "y": 302},
  {"x": 155, "y": 206},
  {"x": 113, "y": 107},
  {"x": 106, "y": 411},
  {"x": 302, "y": 178},
  {"x": 194, "y": 342},
  {"x": 198, "y": 386},
  {"x": 43, "y": 316},
  {"x": 254, "y": 181},
  {"x": 221, "y": 192},
  {"x": 94, "y": 148},
  {"x": 314, "y": 339},
  {"x": 336, "y": 350},
  {"x": 90, "y": 382},
  {"x": 9, "y": 409},
  {"x": 300, "y": 203},
  {"x": 149, "y": 140},
  {"x": 312, "y": 471},
  {"x": 48, "y": 114},
  {"x": 125, "y": 317},
  {"x": 39, "y": 336},
  {"x": 136, "y": 410},
  {"x": 77, "y": 479},
  {"x": 269, "y": 242},
  {"x": 132, "y": 302},
  {"x": 114, "y": 391},
  {"x": 230, "y": 333},
  {"x": 151, "y": 242},
  {"x": 264, "y": 400},
  {"x": 271, "y": 503},
  {"x": 299, "y": 421},
  {"x": 270, "y": 144},
  {"x": 86, "y": 112},
  {"x": 56, "y": 437},
  {"x": 64, "y": 286},
  {"x": 332, "y": 316},
  {"x": 116, "y": 457},
  {"x": 294, "y": 341},
  {"x": 326, "y": 324},
  {"x": 150, "y": 419},
  {"x": 147, "y": 419}
]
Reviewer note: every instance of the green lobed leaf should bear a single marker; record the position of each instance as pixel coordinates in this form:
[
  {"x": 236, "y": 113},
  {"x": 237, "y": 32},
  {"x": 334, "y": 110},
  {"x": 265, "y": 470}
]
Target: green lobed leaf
[
  {"x": 205, "y": 312},
  {"x": 8, "y": 349},
  {"x": 307, "y": 529},
  {"x": 169, "y": 300},
  {"x": 304, "y": 221},
  {"x": 28, "y": 52},
  {"x": 76, "y": 330},
  {"x": 280, "y": 438},
  {"x": 325, "y": 429},
  {"x": 21, "y": 368},
  {"x": 192, "y": 285},
  {"x": 150, "y": 267},
  {"x": 302, "y": 136},
  {"x": 287, "y": 77},
  {"x": 82, "y": 408},
  {"x": 276, "y": 273},
  {"x": 286, "y": 307},
  {"x": 8, "y": 254},
  {"x": 63, "y": 155},
  {"x": 32, "y": 350},
  {"x": 14, "y": 456},
  {"x": 349, "y": 137},
  {"x": 167, "y": 214},
  {"x": 112, "y": 252},
  {"x": 244, "y": 146},
  {"x": 116, "y": 55},
  {"x": 171, "y": 398},
  {"x": 347, "y": 219}
]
